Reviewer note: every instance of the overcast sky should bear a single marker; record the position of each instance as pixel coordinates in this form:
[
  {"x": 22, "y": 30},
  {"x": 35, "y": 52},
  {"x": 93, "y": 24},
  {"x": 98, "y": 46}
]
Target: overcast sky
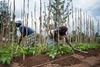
[{"x": 92, "y": 7}]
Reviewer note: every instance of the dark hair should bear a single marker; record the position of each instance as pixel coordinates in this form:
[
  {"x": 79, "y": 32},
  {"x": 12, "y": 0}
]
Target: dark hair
[{"x": 62, "y": 30}]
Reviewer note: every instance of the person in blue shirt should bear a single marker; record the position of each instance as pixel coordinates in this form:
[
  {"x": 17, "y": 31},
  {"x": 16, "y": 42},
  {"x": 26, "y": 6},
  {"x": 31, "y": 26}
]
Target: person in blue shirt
[{"x": 23, "y": 30}]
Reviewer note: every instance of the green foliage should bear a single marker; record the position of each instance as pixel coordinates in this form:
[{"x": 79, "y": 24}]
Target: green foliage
[
  {"x": 4, "y": 13},
  {"x": 59, "y": 12},
  {"x": 6, "y": 50},
  {"x": 5, "y": 59},
  {"x": 41, "y": 48},
  {"x": 84, "y": 46},
  {"x": 30, "y": 50},
  {"x": 5, "y": 55},
  {"x": 58, "y": 49},
  {"x": 52, "y": 52}
]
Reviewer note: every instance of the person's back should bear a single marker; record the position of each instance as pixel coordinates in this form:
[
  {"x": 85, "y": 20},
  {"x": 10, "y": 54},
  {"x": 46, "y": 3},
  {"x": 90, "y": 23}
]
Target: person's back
[{"x": 26, "y": 30}]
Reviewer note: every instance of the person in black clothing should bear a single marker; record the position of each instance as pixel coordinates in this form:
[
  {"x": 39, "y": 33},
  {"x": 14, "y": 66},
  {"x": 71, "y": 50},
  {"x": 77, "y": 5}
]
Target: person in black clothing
[{"x": 53, "y": 38}]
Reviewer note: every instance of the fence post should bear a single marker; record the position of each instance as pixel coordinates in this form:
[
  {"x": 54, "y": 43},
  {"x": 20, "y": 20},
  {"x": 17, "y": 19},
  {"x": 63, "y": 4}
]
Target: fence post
[{"x": 13, "y": 29}]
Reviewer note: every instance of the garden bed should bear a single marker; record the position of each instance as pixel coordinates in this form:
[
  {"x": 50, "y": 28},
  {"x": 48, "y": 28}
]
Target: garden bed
[{"x": 91, "y": 59}]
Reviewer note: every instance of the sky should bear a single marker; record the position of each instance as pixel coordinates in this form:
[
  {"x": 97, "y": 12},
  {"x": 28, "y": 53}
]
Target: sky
[{"x": 92, "y": 7}]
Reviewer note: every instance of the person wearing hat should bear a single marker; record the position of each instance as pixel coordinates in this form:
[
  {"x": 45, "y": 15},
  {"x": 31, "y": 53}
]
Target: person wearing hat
[{"x": 23, "y": 31}]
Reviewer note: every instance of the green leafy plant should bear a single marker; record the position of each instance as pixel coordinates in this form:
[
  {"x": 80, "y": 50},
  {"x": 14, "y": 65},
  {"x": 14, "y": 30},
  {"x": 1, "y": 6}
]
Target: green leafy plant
[
  {"x": 5, "y": 60},
  {"x": 52, "y": 51},
  {"x": 6, "y": 50},
  {"x": 84, "y": 46},
  {"x": 58, "y": 49},
  {"x": 5, "y": 55},
  {"x": 31, "y": 51}
]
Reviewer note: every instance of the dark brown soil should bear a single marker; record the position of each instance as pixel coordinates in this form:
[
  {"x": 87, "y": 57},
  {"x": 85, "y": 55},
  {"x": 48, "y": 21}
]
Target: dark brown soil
[{"x": 91, "y": 59}]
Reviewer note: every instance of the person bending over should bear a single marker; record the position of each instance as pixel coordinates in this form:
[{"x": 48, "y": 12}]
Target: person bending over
[
  {"x": 58, "y": 34},
  {"x": 23, "y": 31}
]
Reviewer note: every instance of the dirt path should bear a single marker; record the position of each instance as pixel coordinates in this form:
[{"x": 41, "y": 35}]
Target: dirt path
[{"x": 91, "y": 59}]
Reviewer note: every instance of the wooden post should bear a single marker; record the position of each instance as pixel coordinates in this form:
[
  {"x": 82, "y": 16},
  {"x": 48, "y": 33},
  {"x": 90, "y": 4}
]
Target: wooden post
[
  {"x": 8, "y": 25},
  {"x": 90, "y": 30},
  {"x": 98, "y": 27},
  {"x": 2, "y": 28},
  {"x": 84, "y": 27},
  {"x": 89, "y": 27},
  {"x": 58, "y": 21},
  {"x": 69, "y": 28},
  {"x": 80, "y": 25},
  {"x": 40, "y": 40},
  {"x": 23, "y": 25},
  {"x": 72, "y": 18},
  {"x": 76, "y": 24},
  {"x": 72, "y": 22},
  {"x": 93, "y": 31},
  {"x": 27, "y": 19},
  {"x": 46, "y": 31},
  {"x": 13, "y": 29},
  {"x": 35, "y": 20},
  {"x": 11, "y": 24},
  {"x": 48, "y": 23}
]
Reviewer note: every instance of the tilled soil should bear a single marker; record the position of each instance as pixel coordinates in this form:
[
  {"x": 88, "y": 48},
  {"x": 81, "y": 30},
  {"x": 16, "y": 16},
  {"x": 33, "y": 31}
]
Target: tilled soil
[{"x": 91, "y": 59}]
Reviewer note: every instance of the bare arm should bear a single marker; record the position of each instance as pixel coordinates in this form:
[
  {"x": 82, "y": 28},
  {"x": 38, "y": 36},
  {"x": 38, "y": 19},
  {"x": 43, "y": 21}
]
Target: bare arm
[
  {"x": 73, "y": 47},
  {"x": 22, "y": 35}
]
